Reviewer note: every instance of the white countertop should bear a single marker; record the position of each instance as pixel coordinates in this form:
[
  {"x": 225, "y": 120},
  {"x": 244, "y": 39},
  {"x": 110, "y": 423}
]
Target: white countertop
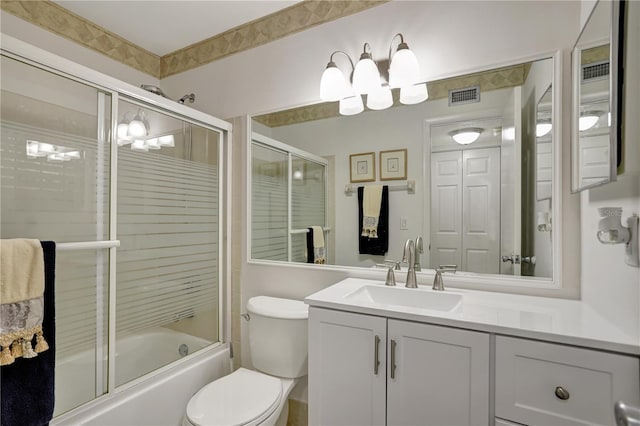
[{"x": 555, "y": 320}]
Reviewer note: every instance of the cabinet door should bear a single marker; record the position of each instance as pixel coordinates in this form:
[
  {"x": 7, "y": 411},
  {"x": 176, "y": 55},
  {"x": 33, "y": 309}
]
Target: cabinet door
[
  {"x": 441, "y": 375},
  {"x": 344, "y": 387}
]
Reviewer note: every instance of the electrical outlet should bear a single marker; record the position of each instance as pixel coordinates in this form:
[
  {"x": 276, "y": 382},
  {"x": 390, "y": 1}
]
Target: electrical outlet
[{"x": 403, "y": 222}]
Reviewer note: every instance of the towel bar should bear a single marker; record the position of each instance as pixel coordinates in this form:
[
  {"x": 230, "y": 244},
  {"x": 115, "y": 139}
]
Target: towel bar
[
  {"x": 410, "y": 187},
  {"x": 87, "y": 245}
]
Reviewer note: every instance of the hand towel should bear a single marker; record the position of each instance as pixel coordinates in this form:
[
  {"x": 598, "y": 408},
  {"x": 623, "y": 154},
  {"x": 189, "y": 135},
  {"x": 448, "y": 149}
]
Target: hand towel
[
  {"x": 315, "y": 245},
  {"x": 22, "y": 305},
  {"x": 371, "y": 210},
  {"x": 376, "y": 246},
  {"x": 27, "y": 385},
  {"x": 21, "y": 270},
  {"x": 318, "y": 245}
]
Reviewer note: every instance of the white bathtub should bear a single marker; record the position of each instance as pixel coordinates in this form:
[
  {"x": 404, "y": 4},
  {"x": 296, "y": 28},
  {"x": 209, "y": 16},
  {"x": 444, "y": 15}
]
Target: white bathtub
[{"x": 157, "y": 400}]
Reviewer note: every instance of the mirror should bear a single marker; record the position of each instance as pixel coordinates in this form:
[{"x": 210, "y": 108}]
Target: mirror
[
  {"x": 597, "y": 96},
  {"x": 475, "y": 205}
]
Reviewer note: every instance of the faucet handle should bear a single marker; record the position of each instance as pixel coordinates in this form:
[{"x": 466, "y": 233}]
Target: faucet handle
[
  {"x": 447, "y": 268},
  {"x": 394, "y": 263}
]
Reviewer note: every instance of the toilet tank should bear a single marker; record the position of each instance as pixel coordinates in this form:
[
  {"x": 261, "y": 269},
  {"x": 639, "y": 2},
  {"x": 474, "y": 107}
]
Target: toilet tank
[{"x": 278, "y": 336}]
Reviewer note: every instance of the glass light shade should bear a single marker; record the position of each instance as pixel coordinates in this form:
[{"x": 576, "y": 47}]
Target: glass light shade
[
  {"x": 380, "y": 98},
  {"x": 542, "y": 128},
  {"x": 72, "y": 155},
  {"x": 366, "y": 78},
  {"x": 32, "y": 149},
  {"x": 152, "y": 143},
  {"x": 57, "y": 157},
  {"x": 166, "y": 140},
  {"x": 123, "y": 139},
  {"x": 351, "y": 105},
  {"x": 587, "y": 121},
  {"x": 415, "y": 94},
  {"x": 333, "y": 85},
  {"x": 46, "y": 148},
  {"x": 404, "y": 70},
  {"x": 466, "y": 136},
  {"x": 138, "y": 145},
  {"x": 136, "y": 128}
]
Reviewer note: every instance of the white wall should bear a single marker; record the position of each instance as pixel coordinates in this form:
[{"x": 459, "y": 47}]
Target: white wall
[
  {"x": 608, "y": 284},
  {"x": 15, "y": 27}
]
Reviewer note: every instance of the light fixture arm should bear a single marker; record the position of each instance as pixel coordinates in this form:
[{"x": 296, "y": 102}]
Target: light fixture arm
[
  {"x": 333, "y": 64},
  {"x": 401, "y": 46}
]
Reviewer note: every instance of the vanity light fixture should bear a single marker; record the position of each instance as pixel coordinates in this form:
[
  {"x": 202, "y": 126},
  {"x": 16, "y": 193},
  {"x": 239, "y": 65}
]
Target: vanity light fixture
[
  {"x": 166, "y": 140},
  {"x": 543, "y": 127},
  {"x": 366, "y": 80},
  {"x": 466, "y": 135},
  {"x": 137, "y": 127},
  {"x": 588, "y": 119}
]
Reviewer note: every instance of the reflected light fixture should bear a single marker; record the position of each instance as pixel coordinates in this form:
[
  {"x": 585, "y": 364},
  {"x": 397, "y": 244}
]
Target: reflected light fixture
[
  {"x": 403, "y": 73},
  {"x": 137, "y": 127},
  {"x": 466, "y": 135},
  {"x": 543, "y": 127},
  {"x": 166, "y": 140},
  {"x": 588, "y": 119}
]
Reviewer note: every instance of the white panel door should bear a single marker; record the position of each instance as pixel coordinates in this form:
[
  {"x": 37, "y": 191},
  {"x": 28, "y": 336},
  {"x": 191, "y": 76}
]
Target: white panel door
[
  {"x": 481, "y": 213},
  {"x": 446, "y": 209},
  {"x": 436, "y": 375},
  {"x": 345, "y": 387}
]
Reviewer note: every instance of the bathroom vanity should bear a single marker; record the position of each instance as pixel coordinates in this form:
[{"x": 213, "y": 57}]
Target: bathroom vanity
[{"x": 392, "y": 355}]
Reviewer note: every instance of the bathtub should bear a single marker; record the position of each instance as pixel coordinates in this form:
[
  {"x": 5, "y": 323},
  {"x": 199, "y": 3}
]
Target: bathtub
[{"x": 159, "y": 399}]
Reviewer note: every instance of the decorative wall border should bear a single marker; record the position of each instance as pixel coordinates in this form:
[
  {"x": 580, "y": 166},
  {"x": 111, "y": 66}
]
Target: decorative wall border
[{"x": 299, "y": 17}]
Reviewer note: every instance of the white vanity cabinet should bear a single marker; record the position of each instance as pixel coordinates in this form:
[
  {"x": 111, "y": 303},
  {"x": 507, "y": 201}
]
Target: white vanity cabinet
[
  {"x": 367, "y": 370},
  {"x": 539, "y": 383}
]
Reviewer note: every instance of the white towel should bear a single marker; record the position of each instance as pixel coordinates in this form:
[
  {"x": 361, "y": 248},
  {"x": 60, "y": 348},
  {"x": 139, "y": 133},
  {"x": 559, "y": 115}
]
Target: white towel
[
  {"x": 21, "y": 297},
  {"x": 21, "y": 270},
  {"x": 371, "y": 200},
  {"x": 318, "y": 245}
]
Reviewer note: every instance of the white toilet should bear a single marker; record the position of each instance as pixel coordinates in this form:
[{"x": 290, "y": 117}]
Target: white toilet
[{"x": 278, "y": 342}]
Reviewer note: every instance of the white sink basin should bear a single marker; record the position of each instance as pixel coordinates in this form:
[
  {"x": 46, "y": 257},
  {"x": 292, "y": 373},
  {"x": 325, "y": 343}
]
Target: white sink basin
[{"x": 407, "y": 297}]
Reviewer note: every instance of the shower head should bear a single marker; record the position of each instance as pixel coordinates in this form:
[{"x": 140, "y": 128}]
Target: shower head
[
  {"x": 154, "y": 89},
  {"x": 191, "y": 97}
]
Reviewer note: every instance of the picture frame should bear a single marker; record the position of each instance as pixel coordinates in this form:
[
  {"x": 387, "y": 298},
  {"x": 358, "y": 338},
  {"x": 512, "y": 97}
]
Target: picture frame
[
  {"x": 362, "y": 167},
  {"x": 393, "y": 164}
]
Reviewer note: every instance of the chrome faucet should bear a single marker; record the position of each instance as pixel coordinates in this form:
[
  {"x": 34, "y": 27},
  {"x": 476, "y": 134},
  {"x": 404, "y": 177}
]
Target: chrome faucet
[
  {"x": 419, "y": 251},
  {"x": 409, "y": 256},
  {"x": 390, "y": 265},
  {"x": 438, "y": 284}
]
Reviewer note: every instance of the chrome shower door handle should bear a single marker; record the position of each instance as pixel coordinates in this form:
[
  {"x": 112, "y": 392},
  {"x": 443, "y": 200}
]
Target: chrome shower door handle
[
  {"x": 376, "y": 354},
  {"x": 393, "y": 359}
]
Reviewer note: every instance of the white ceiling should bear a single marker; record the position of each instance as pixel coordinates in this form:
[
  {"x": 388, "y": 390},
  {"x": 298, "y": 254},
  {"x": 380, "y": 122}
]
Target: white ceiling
[{"x": 162, "y": 27}]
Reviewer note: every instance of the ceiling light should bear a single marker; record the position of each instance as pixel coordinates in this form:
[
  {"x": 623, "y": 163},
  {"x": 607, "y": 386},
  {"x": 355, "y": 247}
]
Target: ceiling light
[
  {"x": 333, "y": 85},
  {"x": 466, "y": 136},
  {"x": 351, "y": 105},
  {"x": 403, "y": 66},
  {"x": 588, "y": 119},
  {"x": 380, "y": 98},
  {"x": 415, "y": 94},
  {"x": 152, "y": 143},
  {"x": 543, "y": 127},
  {"x": 139, "y": 145},
  {"x": 366, "y": 78}
]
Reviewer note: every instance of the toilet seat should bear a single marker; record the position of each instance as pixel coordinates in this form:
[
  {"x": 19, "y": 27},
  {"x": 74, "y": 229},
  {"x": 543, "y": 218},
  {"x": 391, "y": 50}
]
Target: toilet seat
[{"x": 244, "y": 397}]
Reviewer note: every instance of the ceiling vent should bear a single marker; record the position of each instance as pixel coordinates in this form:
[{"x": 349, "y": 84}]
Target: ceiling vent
[
  {"x": 595, "y": 71},
  {"x": 468, "y": 95}
]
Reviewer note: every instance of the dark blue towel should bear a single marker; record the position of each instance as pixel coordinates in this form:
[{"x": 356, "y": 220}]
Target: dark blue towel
[{"x": 28, "y": 384}]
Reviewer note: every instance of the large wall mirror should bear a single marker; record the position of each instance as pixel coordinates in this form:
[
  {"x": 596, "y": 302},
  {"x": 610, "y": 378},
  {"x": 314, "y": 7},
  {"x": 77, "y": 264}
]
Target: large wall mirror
[
  {"x": 484, "y": 205},
  {"x": 597, "y": 98}
]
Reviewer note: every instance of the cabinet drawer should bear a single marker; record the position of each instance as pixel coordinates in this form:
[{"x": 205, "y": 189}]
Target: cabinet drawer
[{"x": 548, "y": 384}]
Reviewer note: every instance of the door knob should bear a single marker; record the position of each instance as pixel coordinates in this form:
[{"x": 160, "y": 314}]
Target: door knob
[
  {"x": 529, "y": 259},
  {"x": 514, "y": 259}
]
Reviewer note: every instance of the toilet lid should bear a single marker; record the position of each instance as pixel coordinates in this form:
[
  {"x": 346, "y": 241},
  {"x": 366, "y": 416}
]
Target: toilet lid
[{"x": 237, "y": 399}]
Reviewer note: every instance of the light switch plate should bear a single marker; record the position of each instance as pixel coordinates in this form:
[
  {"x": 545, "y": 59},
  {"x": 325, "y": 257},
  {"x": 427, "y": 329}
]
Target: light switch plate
[
  {"x": 403, "y": 223},
  {"x": 633, "y": 246}
]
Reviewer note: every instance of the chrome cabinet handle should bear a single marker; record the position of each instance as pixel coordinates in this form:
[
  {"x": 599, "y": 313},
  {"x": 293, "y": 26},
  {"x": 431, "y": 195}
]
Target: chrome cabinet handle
[
  {"x": 376, "y": 356},
  {"x": 562, "y": 393},
  {"x": 393, "y": 359}
]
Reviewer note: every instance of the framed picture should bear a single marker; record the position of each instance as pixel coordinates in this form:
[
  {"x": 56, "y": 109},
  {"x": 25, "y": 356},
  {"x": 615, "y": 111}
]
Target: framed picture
[
  {"x": 393, "y": 164},
  {"x": 363, "y": 167}
]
